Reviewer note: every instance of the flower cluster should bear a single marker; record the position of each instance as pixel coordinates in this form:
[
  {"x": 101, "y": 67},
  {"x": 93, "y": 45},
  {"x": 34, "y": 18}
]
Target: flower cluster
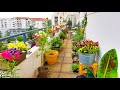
[
  {"x": 87, "y": 46},
  {"x": 18, "y": 45},
  {"x": 11, "y": 54},
  {"x": 40, "y": 34}
]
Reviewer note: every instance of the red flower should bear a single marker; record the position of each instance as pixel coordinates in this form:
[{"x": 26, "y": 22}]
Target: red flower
[
  {"x": 17, "y": 55},
  {"x": 7, "y": 55},
  {"x": 37, "y": 37}
]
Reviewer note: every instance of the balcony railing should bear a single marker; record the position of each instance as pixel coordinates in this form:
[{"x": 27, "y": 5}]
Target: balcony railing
[{"x": 24, "y": 35}]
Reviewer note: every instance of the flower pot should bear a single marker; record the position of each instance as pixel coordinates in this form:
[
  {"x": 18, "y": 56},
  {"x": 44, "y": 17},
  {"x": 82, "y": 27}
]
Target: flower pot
[
  {"x": 51, "y": 57},
  {"x": 42, "y": 72},
  {"x": 87, "y": 59},
  {"x": 4, "y": 66},
  {"x": 22, "y": 57}
]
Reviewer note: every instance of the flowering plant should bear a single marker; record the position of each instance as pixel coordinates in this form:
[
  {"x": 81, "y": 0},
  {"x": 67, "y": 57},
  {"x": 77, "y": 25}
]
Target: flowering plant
[
  {"x": 9, "y": 59},
  {"x": 18, "y": 45},
  {"x": 87, "y": 46},
  {"x": 11, "y": 54},
  {"x": 41, "y": 37}
]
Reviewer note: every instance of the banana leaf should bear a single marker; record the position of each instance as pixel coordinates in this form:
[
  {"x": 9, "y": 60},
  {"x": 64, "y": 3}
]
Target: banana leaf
[{"x": 108, "y": 65}]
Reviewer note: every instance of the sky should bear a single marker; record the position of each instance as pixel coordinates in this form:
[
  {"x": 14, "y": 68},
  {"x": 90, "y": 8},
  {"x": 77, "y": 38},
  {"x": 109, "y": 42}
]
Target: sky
[{"x": 26, "y": 14}]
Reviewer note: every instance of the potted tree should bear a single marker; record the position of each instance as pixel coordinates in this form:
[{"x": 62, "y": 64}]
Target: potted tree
[{"x": 87, "y": 51}]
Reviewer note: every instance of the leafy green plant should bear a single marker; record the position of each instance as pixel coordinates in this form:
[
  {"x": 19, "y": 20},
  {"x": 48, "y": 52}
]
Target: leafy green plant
[
  {"x": 19, "y": 38},
  {"x": 78, "y": 37},
  {"x": 89, "y": 73},
  {"x": 63, "y": 34},
  {"x": 75, "y": 67},
  {"x": 84, "y": 21},
  {"x": 108, "y": 65},
  {"x": 56, "y": 42},
  {"x": 3, "y": 46}
]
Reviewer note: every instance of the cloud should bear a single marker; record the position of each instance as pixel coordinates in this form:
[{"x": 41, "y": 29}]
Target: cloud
[{"x": 26, "y": 14}]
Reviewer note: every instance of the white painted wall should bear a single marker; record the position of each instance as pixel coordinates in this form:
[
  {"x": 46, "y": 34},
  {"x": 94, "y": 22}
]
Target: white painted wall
[{"x": 105, "y": 28}]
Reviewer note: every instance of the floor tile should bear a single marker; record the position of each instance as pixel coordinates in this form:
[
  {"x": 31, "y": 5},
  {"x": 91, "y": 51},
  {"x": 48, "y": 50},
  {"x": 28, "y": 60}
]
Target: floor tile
[
  {"x": 55, "y": 68},
  {"x": 53, "y": 75},
  {"x": 67, "y": 60},
  {"x": 67, "y": 68},
  {"x": 68, "y": 50},
  {"x": 68, "y": 54},
  {"x": 60, "y": 59},
  {"x": 66, "y": 75},
  {"x": 61, "y": 53}
]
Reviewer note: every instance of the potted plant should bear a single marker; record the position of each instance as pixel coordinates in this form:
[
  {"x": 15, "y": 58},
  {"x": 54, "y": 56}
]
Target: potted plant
[
  {"x": 75, "y": 67},
  {"x": 23, "y": 47},
  {"x": 51, "y": 56},
  {"x": 57, "y": 43},
  {"x": 8, "y": 61},
  {"x": 42, "y": 39},
  {"x": 62, "y": 35},
  {"x": 87, "y": 51}
]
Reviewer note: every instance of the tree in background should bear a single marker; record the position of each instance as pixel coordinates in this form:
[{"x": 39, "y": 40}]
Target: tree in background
[{"x": 69, "y": 23}]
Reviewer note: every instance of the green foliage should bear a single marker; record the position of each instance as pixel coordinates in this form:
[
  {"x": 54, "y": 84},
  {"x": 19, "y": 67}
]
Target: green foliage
[
  {"x": 69, "y": 23},
  {"x": 19, "y": 38},
  {"x": 84, "y": 21},
  {"x": 29, "y": 35},
  {"x": 10, "y": 39},
  {"x": 108, "y": 65},
  {"x": 56, "y": 42},
  {"x": 3, "y": 46},
  {"x": 75, "y": 67},
  {"x": 11, "y": 70},
  {"x": 89, "y": 73},
  {"x": 63, "y": 34},
  {"x": 78, "y": 36}
]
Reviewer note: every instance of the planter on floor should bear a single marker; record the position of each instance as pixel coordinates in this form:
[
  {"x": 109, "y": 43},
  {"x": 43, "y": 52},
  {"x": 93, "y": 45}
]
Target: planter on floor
[
  {"x": 42, "y": 72},
  {"x": 51, "y": 57}
]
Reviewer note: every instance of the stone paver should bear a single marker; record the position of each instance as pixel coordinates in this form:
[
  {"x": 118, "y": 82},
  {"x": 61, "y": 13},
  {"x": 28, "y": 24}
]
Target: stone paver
[{"x": 63, "y": 68}]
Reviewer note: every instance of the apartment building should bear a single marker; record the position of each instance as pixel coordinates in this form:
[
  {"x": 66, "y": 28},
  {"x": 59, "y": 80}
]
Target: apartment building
[
  {"x": 59, "y": 17},
  {"x": 38, "y": 22}
]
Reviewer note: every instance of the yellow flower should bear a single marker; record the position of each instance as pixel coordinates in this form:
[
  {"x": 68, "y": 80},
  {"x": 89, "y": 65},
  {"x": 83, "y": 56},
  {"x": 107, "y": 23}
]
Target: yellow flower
[
  {"x": 11, "y": 45},
  {"x": 88, "y": 39}
]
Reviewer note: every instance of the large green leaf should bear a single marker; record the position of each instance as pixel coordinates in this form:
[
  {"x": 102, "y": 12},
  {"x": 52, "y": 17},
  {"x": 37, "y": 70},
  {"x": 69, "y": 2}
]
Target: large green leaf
[{"x": 108, "y": 65}]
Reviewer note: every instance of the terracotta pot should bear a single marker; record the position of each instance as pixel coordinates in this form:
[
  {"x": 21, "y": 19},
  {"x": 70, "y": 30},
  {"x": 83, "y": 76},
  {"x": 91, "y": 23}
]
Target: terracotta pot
[{"x": 51, "y": 57}]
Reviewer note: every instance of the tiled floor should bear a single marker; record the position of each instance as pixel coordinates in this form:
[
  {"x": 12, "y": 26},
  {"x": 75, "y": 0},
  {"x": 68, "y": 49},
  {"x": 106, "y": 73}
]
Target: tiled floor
[{"x": 62, "y": 69}]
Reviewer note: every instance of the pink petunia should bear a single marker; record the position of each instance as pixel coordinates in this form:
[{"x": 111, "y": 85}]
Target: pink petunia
[{"x": 17, "y": 55}]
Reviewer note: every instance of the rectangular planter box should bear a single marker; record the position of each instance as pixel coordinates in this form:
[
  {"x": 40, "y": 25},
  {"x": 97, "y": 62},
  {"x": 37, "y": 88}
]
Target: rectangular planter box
[{"x": 4, "y": 66}]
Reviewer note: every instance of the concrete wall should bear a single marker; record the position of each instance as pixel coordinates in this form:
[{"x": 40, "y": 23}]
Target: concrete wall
[{"x": 105, "y": 28}]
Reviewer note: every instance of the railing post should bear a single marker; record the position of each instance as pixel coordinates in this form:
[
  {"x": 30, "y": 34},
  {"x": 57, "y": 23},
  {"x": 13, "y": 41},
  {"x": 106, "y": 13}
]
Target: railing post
[{"x": 24, "y": 37}]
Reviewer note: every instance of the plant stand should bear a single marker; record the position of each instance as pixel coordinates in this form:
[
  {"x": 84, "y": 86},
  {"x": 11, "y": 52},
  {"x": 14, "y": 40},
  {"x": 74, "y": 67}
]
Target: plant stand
[{"x": 94, "y": 66}]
